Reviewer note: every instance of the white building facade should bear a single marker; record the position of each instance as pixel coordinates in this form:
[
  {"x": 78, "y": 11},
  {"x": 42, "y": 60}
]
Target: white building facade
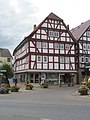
[
  {"x": 82, "y": 36},
  {"x": 49, "y": 52}
]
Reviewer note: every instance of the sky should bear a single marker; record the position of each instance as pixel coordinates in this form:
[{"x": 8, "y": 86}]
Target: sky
[{"x": 17, "y": 17}]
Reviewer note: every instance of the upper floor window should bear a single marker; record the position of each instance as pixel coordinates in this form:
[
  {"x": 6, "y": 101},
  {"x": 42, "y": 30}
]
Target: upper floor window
[
  {"x": 61, "y": 59},
  {"x": 67, "y": 60},
  {"x": 20, "y": 50},
  {"x": 26, "y": 60},
  {"x": 56, "y": 34},
  {"x": 84, "y": 46},
  {"x": 39, "y": 58},
  {"x": 53, "y": 34},
  {"x": 86, "y": 59},
  {"x": 88, "y": 33},
  {"x": 45, "y": 59},
  {"x": 38, "y": 44},
  {"x": 8, "y": 60},
  {"x": 88, "y": 46},
  {"x": 67, "y": 46},
  {"x": 82, "y": 59},
  {"x": 44, "y": 45},
  {"x": 61, "y": 46},
  {"x": 56, "y": 45}
]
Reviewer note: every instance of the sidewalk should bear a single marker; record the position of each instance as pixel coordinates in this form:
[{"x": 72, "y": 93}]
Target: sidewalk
[
  {"x": 37, "y": 86},
  {"x": 22, "y": 84}
]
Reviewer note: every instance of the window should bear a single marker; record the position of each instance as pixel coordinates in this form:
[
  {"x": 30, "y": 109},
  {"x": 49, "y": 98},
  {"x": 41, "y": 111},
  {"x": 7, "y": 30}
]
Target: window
[
  {"x": 26, "y": 46},
  {"x": 88, "y": 46},
  {"x": 53, "y": 34},
  {"x": 32, "y": 57},
  {"x": 20, "y": 62},
  {"x": 66, "y": 59},
  {"x": 61, "y": 66},
  {"x": 50, "y": 45},
  {"x": 45, "y": 59},
  {"x": 61, "y": 46},
  {"x": 38, "y": 44},
  {"x": 88, "y": 33},
  {"x": 39, "y": 66},
  {"x": 86, "y": 59},
  {"x": 56, "y": 34},
  {"x": 67, "y": 66},
  {"x": 39, "y": 58},
  {"x": 67, "y": 46},
  {"x": 26, "y": 60},
  {"x": 61, "y": 59},
  {"x": 44, "y": 44},
  {"x": 72, "y": 59},
  {"x": 82, "y": 59},
  {"x": 56, "y": 46},
  {"x": 84, "y": 46},
  {"x": 8, "y": 60},
  {"x": 50, "y": 58},
  {"x": 56, "y": 66},
  {"x": 55, "y": 59}
]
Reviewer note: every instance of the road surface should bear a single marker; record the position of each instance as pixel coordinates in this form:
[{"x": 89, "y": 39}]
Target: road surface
[{"x": 53, "y": 103}]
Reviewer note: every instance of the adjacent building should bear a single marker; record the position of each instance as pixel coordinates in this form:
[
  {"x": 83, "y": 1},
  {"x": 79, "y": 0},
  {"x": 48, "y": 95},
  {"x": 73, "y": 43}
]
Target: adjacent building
[
  {"x": 49, "y": 52},
  {"x": 82, "y": 35},
  {"x": 5, "y": 57}
]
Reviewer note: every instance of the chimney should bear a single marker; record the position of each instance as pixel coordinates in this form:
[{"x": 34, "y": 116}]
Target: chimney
[
  {"x": 68, "y": 27},
  {"x": 34, "y": 27}
]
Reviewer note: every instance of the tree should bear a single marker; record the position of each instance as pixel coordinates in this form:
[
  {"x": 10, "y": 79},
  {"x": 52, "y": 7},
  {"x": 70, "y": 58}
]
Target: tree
[{"x": 8, "y": 69}]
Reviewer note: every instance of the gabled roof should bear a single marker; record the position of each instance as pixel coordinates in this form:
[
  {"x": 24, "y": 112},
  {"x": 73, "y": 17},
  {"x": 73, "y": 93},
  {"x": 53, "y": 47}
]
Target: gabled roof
[
  {"x": 50, "y": 16},
  {"x": 5, "y": 53},
  {"x": 79, "y": 30},
  {"x": 55, "y": 17}
]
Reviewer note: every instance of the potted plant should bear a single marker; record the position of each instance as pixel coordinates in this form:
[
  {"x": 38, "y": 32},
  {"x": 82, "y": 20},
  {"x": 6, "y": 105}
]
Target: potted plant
[
  {"x": 29, "y": 86},
  {"x": 44, "y": 85},
  {"x": 4, "y": 89},
  {"x": 88, "y": 85},
  {"x": 83, "y": 90},
  {"x": 15, "y": 88}
]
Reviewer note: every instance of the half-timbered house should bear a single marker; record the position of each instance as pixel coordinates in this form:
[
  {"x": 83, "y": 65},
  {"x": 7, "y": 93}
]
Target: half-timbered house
[
  {"x": 47, "y": 53},
  {"x": 82, "y": 35}
]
